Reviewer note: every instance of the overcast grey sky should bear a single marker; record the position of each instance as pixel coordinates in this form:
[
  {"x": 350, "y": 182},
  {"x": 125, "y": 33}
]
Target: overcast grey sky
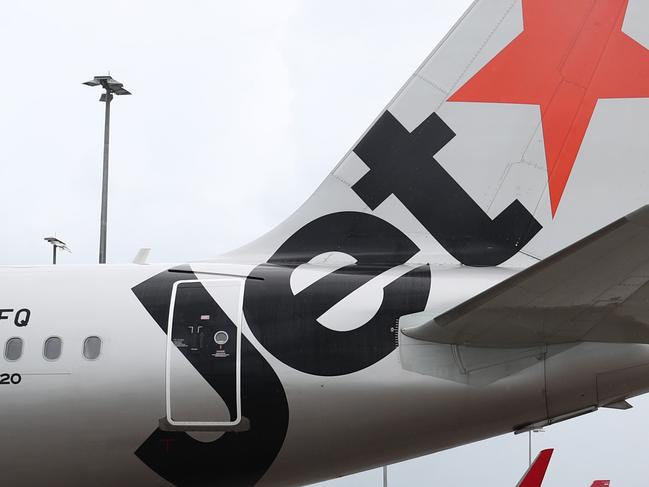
[{"x": 239, "y": 111}]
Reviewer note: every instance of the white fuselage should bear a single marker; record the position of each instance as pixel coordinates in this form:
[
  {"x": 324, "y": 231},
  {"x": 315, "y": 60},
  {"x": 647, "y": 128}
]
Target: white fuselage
[{"x": 75, "y": 421}]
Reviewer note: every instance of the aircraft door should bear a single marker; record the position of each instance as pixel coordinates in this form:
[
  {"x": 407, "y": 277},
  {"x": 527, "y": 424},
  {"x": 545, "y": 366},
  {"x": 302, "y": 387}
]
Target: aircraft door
[{"x": 203, "y": 367}]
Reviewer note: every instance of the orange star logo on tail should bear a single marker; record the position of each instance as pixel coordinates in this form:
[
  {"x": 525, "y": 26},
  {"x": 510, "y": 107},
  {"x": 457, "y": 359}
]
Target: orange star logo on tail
[{"x": 570, "y": 55}]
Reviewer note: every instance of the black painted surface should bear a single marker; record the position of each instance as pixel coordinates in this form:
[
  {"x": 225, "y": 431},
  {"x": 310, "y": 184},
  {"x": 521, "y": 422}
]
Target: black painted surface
[
  {"x": 287, "y": 325},
  {"x": 197, "y": 318},
  {"x": 402, "y": 163},
  {"x": 235, "y": 459}
]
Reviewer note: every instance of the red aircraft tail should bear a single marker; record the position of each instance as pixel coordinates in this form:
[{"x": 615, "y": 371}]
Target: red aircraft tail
[
  {"x": 535, "y": 474},
  {"x": 601, "y": 483}
]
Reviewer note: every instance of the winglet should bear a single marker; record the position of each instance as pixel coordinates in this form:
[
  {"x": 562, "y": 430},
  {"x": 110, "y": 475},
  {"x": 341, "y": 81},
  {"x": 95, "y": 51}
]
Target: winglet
[
  {"x": 141, "y": 256},
  {"x": 535, "y": 474}
]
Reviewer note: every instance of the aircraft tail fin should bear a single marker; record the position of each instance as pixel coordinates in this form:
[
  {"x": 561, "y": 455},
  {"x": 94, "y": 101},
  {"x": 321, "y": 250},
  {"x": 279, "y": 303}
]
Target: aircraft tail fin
[
  {"x": 536, "y": 473},
  {"x": 500, "y": 143}
]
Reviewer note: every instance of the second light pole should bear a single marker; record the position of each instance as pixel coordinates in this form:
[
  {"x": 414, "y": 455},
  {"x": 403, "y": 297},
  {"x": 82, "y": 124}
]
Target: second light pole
[{"x": 112, "y": 87}]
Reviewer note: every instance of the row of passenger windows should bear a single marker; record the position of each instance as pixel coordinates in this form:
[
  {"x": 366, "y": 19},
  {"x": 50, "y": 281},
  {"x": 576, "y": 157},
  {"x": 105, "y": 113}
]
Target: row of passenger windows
[{"x": 52, "y": 348}]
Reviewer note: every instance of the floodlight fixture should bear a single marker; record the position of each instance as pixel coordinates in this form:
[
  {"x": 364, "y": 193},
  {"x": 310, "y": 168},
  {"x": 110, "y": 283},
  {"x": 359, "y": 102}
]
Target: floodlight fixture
[
  {"x": 56, "y": 244},
  {"x": 109, "y": 84},
  {"x": 111, "y": 87}
]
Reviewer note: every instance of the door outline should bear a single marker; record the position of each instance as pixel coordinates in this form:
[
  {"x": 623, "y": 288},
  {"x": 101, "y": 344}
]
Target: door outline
[{"x": 238, "y": 318}]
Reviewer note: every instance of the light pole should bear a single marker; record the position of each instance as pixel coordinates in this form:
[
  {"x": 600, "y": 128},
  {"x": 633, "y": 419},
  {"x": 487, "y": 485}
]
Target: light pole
[
  {"x": 385, "y": 476},
  {"x": 529, "y": 450},
  {"x": 112, "y": 87},
  {"x": 56, "y": 244}
]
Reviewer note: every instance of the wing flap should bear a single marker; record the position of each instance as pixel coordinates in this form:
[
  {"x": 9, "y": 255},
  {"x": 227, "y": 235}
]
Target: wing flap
[{"x": 594, "y": 290}]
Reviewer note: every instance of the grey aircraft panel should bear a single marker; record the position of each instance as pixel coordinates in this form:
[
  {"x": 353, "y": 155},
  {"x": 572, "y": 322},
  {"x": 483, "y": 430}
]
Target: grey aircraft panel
[{"x": 595, "y": 290}]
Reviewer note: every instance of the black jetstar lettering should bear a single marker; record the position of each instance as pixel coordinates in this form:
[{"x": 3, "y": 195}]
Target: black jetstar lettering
[
  {"x": 402, "y": 163},
  {"x": 236, "y": 458},
  {"x": 286, "y": 324}
]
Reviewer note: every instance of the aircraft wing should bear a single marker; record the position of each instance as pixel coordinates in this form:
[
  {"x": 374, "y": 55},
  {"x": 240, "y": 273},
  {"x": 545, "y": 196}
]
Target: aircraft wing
[
  {"x": 536, "y": 473},
  {"x": 594, "y": 290}
]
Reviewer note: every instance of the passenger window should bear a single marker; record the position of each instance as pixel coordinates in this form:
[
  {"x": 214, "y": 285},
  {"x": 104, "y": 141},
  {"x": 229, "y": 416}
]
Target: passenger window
[
  {"x": 13, "y": 349},
  {"x": 92, "y": 348},
  {"x": 52, "y": 348}
]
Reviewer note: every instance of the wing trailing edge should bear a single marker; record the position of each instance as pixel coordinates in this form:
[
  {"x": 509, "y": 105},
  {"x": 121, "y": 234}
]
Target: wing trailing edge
[{"x": 595, "y": 290}]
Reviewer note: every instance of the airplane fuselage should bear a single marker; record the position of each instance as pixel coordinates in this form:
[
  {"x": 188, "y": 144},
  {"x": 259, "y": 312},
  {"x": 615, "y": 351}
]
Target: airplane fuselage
[{"x": 304, "y": 412}]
